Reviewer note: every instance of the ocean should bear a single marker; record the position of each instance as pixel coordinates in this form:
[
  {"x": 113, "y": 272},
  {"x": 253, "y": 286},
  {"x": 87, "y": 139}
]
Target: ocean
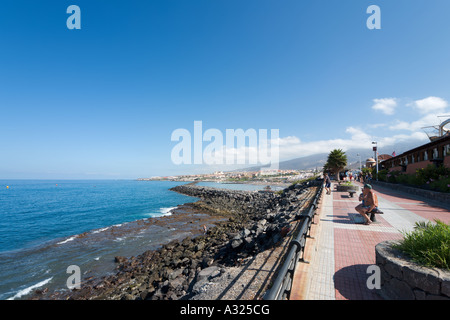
[{"x": 47, "y": 226}]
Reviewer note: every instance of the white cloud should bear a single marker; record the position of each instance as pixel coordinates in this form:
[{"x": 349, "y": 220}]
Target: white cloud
[
  {"x": 430, "y": 104},
  {"x": 429, "y": 108},
  {"x": 386, "y": 105},
  {"x": 418, "y": 136},
  {"x": 426, "y": 121},
  {"x": 376, "y": 125},
  {"x": 291, "y": 147}
]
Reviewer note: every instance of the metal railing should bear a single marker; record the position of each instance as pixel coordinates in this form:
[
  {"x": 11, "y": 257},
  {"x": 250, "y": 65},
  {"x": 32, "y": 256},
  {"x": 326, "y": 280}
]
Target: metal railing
[{"x": 282, "y": 285}]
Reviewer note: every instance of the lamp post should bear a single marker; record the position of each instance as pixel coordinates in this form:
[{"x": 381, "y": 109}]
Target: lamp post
[
  {"x": 376, "y": 155},
  {"x": 358, "y": 155}
]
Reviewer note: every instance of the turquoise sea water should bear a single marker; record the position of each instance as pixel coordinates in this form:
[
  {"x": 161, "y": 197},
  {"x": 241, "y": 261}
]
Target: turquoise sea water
[
  {"x": 39, "y": 221},
  {"x": 46, "y": 226},
  {"x": 33, "y": 212}
]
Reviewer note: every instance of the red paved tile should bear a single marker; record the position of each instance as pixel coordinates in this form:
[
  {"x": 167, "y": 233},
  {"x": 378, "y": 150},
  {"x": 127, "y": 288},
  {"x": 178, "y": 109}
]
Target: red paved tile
[
  {"x": 354, "y": 253},
  {"x": 418, "y": 207}
]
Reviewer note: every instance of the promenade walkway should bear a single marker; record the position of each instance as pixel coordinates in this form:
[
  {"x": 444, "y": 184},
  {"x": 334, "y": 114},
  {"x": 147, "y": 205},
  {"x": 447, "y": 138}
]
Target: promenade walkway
[{"x": 341, "y": 249}]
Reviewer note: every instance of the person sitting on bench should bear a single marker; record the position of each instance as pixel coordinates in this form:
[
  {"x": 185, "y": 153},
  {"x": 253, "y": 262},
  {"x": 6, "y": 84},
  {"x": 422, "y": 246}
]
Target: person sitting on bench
[{"x": 369, "y": 203}]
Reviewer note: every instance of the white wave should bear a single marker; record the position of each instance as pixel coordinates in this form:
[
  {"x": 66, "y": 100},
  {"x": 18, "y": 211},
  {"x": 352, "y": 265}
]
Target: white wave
[
  {"x": 119, "y": 239},
  {"x": 100, "y": 230},
  {"x": 166, "y": 211},
  {"x": 31, "y": 288},
  {"x": 68, "y": 240},
  {"x": 150, "y": 215}
]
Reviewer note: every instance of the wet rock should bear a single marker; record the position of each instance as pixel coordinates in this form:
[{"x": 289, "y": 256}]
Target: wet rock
[
  {"x": 120, "y": 259},
  {"x": 208, "y": 273},
  {"x": 236, "y": 243}
]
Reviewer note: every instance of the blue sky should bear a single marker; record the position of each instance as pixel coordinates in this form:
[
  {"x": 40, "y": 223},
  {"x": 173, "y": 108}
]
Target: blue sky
[{"x": 103, "y": 101}]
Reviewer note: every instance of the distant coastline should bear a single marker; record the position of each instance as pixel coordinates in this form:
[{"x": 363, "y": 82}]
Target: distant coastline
[{"x": 282, "y": 178}]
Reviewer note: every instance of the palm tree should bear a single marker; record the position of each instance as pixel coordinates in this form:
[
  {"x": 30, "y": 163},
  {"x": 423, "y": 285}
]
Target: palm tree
[{"x": 336, "y": 162}]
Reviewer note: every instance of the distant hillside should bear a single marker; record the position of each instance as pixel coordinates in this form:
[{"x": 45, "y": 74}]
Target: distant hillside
[
  {"x": 318, "y": 160},
  {"x": 305, "y": 163}
]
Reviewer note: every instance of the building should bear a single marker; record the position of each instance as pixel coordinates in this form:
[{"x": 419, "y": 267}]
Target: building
[
  {"x": 435, "y": 152},
  {"x": 370, "y": 163}
]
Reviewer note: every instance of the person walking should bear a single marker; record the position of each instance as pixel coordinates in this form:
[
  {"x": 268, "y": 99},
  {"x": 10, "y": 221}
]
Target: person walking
[{"x": 327, "y": 181}]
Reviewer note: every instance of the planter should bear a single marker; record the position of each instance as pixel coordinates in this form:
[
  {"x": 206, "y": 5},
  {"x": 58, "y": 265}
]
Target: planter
[
  {"x": 345, "y": 188},
  {"x": 403, "y": 279}
]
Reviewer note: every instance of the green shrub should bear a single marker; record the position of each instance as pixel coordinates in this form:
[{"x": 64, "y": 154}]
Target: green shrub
[
  {"x": 431, "y": 177},
  {"x": 432, "y": 173},
  {"x": 392, "y": 176},
  {"x": 442, "y": 184},
  {"x": 409, "y": 179},
  {"x": 435, "y": 178},
  {"x": 428, "y": 244},
  {"x": 382, "y": 175}
]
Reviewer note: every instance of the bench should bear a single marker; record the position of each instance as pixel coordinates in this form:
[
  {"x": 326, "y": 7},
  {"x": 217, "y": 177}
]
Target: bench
[
  {"x": 351, "y": 193},
  {"x": 378, "y": 211},
  {"x": 372, "y": 214}
]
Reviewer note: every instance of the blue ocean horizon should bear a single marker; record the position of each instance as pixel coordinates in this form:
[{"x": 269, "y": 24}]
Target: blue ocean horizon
[{"x": 47, "y": 225}]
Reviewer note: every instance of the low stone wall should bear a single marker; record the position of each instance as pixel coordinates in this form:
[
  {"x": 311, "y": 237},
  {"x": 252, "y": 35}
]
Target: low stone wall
[
  {"x": 402, "y": 279},
  {"x": 235, "y": 201},
  {"x": 428, "y": 194}
]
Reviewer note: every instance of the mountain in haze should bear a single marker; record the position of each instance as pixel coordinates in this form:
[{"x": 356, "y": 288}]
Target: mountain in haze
[{"x": 317, "y": 161}]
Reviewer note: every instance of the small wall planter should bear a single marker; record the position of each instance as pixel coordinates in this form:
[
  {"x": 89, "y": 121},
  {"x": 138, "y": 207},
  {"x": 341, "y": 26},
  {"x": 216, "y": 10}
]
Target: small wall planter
[{"x": 403, "y": 279}]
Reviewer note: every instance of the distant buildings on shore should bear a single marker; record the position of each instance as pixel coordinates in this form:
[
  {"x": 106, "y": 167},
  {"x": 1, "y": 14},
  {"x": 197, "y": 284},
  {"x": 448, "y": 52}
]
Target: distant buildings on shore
[{"x": 282, "y": 176}]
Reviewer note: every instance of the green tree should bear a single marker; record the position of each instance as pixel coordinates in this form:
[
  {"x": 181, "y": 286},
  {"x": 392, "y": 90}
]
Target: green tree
[{"x": 336, "y": 162}]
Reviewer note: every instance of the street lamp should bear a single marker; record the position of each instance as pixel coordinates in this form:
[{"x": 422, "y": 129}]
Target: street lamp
[
  {"x": 358, "y": 155},
  {"x": 376, "y": 155}
]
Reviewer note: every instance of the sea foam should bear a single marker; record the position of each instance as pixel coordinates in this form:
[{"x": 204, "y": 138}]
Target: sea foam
[
  {"x": 68, "y": 240},
  {"x": 167, "y": 211},
  {"x": 26, "y": 291}
]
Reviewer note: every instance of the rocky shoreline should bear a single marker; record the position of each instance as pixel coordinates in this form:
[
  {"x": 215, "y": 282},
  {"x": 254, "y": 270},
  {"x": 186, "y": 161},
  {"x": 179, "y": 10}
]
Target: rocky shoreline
[{"x": 244, "y": 230}]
